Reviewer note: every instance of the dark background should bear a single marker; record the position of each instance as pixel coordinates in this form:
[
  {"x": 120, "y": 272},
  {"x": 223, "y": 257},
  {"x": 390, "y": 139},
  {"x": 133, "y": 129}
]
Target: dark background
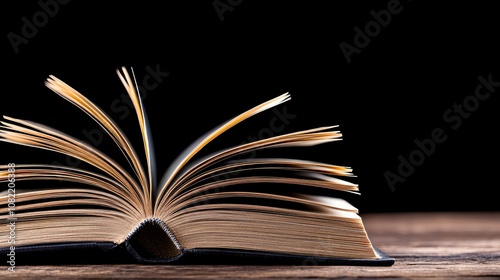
[{"x": 427, "y": 58}]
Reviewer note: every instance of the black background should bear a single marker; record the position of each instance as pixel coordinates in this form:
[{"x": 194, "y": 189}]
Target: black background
[{"x": 394, "y": 91}]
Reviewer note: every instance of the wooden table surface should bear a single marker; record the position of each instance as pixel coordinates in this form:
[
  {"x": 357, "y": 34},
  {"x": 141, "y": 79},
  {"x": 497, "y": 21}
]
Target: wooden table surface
[{"x": 425, "y": 245}]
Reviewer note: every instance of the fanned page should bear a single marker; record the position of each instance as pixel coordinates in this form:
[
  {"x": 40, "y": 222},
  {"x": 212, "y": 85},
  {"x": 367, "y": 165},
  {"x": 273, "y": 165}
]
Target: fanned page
[
  {"x": 114, "y": 200},
  {"x": 113, "y": 130},
  {"x": 201, "y": 142},
  {"x": 205, "y": 211},
  {"x": 147, "y": 139}
]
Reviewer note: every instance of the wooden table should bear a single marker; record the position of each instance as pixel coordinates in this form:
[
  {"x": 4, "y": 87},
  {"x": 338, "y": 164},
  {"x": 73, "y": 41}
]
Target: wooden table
[{"x": 425, "y": 245}]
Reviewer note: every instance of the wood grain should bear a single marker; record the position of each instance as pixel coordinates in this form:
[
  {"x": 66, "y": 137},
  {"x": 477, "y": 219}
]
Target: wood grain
[{"x": 425, "y": 245}]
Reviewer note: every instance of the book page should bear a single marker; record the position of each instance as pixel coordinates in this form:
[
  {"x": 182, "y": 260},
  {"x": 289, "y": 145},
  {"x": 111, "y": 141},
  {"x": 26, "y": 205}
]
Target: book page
[
  {"x": 28, "y": 133},
  {"x": 201, "y": 142},
  {"x": 87, "y": 106},
  {"x": 321, "y": 173},
  {"x": 147, "y": 138}
]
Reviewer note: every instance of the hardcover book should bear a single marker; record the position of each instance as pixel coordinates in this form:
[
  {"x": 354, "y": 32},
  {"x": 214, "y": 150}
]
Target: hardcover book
[{"x": 214, "y": 207}]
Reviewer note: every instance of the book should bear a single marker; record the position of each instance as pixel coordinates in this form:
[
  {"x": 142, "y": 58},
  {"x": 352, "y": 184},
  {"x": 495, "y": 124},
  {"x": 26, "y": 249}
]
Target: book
[{"x": 214, "y": 206}]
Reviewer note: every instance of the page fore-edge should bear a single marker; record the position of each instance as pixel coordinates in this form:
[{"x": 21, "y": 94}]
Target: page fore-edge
[{"x": 127, "y": 251}]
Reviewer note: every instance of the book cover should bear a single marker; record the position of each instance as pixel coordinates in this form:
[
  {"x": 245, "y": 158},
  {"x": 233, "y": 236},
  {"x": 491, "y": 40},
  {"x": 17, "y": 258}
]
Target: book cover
[{"x": 215, "y": 207}]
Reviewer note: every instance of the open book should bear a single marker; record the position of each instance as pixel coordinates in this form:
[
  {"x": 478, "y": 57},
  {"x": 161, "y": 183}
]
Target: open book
[{"x": 252, "y": 211}]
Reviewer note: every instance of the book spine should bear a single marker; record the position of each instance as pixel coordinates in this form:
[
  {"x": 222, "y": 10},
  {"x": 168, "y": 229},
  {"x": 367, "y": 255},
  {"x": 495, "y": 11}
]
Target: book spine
[{"x": 159, "y": 223}]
